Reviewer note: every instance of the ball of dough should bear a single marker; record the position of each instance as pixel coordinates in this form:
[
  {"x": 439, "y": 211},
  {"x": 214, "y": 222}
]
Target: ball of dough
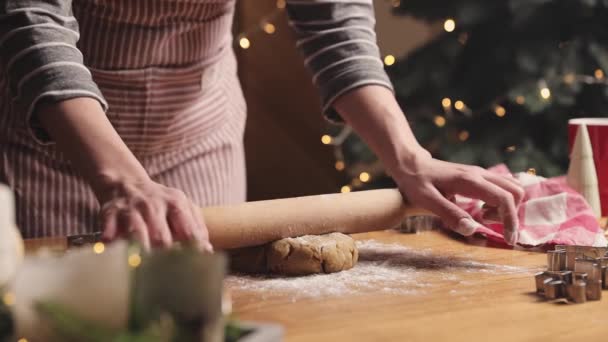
[{"x": 310, "y": 254}]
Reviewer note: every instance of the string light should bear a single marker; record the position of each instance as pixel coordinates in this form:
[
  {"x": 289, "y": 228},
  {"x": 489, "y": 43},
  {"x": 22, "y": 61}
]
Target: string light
[
  {"x": 8, "y": 298},
  {"x": 520, "y": 100},
  {"x": 439, "y": 121},
  {"x": 281, "y": 4},
  {"x": 244, "y": 43},
  {"x": 389, "y": 60},
  {"x": 463, "y": 136},
  {"x": 99, "y": 247},
  {"x": 326, "y": 139},
  {"x": 500, "y": 111},
  {"x": 396, "y": 3},
  {"x": 23, "y": 339},
  {"x": 364, "y": 177},
  {"x": 134, "y": 260},
  {"x": 545, "y": 93},
  {"x": 569, "y": 78},
  {"x": 339, "y": 165},
  {"x": 269, "y": 28},
  {"x": 459, "y": 105},
  {"x": 446, "y": 102},
  {"x": 599, "y": 74},
  {"x": 345, "y": 189},
  {"x": 449, "y": 25},
  {"x": 511, "y": 148},
  {"x": 531, "y": 171}
]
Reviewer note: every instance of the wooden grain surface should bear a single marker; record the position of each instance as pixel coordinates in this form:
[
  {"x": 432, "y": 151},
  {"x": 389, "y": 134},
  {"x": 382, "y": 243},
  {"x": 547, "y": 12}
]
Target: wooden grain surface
[{"x": 468, "y": 305}]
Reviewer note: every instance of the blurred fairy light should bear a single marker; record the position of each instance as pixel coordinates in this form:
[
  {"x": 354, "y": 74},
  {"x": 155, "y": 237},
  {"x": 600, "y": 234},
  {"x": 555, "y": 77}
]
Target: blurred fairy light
[
  {"x": 389, "y": 60},
  {"x": 339, "y": 165},
  {"x": 269, "y": 28},
  {"x": 326, "y": 139},
  {"x": 545, "y": 93},
  {"x": 569, "y": 78},
  {"x": 244, "y": 43},
  {"x": 134, "y": 260},
  {"x": 463, "y": 136},
  {"x": 364, "y": 177},
  {"x": 520, "y": 100},
  {"x": 500, "y": 111},
  {"x": 449, "y": 25},
  {"x": 99, "y": 247},
  {"x": 599, "y": 74},
  {"x": 345, "y": 189},
  {"x": 446, "y": 102},
  {"x": 511, "y": 148},
  {"x": 281, "y": 4},
  {"x": 439, "y": 121},
  {"x": 459, "y": 105}
]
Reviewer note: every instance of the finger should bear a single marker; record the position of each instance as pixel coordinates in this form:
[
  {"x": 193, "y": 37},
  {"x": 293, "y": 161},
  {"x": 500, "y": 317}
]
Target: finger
[
  {"x": 513, "y": 180},
  {"x": 201, "y": 233},
  {"x": 451, "y": 214},
  {"x": 108, "y": 226},
  {"x": 515, "y": 189},
  {"x": 498, "y": 197},
  {"x": 159, "y": 230},
  {"x": 133, "y": 224},
  {"x": 182, "y": 224}
]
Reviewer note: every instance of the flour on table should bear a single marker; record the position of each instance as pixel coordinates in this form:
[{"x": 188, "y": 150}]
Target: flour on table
[{"x": 389, "y": 268}]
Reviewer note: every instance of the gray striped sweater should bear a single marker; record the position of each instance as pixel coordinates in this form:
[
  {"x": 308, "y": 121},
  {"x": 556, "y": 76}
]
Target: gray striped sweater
[{"x": 40, "y": 59}]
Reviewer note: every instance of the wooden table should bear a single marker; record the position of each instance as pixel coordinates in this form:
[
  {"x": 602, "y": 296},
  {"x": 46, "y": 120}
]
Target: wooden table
[
  {"x": 471, "y": 306},
  {"x": 468, "y": 306}
]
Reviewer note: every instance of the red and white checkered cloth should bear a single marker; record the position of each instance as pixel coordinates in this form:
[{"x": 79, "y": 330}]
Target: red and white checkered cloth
[{"x": 550, "y": 213}]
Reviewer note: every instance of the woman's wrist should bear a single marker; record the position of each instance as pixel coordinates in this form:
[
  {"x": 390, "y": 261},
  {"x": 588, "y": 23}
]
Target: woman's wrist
[
  {"x": 376, "y": 116},
  {"x": 84, "y": 134}
]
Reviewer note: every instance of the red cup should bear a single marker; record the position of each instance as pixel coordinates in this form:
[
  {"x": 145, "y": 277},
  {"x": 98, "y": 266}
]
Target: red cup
[{"x": 598, "y": 134}]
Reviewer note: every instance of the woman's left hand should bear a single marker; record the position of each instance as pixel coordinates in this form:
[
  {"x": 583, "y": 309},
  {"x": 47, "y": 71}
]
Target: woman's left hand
[{"x": 431, "y": 183}]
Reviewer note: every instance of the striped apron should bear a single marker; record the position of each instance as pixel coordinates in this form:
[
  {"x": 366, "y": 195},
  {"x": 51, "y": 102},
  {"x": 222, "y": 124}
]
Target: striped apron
[{"x": 168, "y": 72}]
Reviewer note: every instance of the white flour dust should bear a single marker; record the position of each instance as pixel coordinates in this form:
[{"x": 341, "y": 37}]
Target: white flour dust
[{"x": 389, "y": 268}]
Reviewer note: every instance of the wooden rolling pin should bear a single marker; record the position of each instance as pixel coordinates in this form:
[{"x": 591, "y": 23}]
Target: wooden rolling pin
[{"x": 256, "y": 223}]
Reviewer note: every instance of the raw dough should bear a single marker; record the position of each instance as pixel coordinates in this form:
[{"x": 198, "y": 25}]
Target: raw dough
[{"x": 304, "y": 255}]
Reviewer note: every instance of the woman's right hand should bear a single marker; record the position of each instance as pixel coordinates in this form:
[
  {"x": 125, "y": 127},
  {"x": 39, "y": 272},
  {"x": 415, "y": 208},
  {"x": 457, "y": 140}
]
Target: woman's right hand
[
  {"x": 132, "y": 205},
  {"x": 151, "y": 213}
]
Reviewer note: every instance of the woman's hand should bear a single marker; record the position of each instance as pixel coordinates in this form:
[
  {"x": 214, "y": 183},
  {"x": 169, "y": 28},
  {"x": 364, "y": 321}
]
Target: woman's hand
[
  {"x": 132, "y": 204},
  {"x": 430, "y": 183},
  {"x": 151, "y": 213},
  {"x": 376, "y": 116}
]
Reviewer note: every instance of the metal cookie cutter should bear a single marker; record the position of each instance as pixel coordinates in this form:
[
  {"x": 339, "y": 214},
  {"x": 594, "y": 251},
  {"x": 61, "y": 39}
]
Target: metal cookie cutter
[
  {"x": 554, "y": 289},
  {"x": 576, "y": 273},
  {"x": 556, "y": 260},
  {"x": 577, "y": 292},
  {"x": 594, "y": 290},
  {"x": 589, "y": 266},
  {"x": 83, "y": 239}
]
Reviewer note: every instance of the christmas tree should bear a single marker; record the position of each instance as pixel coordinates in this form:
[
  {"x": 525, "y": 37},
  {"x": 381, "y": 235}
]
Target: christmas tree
[{"x": 496, "y": 85}]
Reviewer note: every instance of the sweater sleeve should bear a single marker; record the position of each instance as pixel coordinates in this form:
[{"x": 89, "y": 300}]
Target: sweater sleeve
[
  {"x": 40, "y": 59},
  {"x": 338, "y": 41}
]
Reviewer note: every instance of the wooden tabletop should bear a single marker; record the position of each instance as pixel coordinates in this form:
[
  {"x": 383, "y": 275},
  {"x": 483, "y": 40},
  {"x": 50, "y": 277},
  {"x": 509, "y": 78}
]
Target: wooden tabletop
[
  {"x": 468, "y": 294},
  {"x": 461, "y": 290}
]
